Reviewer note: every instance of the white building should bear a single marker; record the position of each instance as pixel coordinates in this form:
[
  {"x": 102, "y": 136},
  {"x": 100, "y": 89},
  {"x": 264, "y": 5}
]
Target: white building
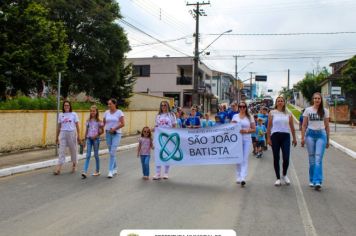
[{"x": 172, "y": 77}]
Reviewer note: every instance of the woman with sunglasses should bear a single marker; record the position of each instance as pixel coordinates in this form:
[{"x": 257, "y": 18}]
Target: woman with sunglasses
[
  {"x": 166, "y": 119},
  {"x": 315, "y": 133},
  {"x": 247, "y": 128},
  {"x": 113, "y": 122},
  {"x": 280, "y": 124}
]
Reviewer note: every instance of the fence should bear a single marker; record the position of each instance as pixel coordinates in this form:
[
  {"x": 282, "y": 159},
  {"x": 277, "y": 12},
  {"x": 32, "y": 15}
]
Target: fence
[{"x": 28, "y": 129}]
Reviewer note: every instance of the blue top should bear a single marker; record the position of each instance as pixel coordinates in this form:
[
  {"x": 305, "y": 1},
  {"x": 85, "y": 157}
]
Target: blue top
[
  {"x": 264, "y": 117},
  {"x": 260, "y": 132},
  {"x": 301, "y": 118},
  {"x": 207, "y": 123},
  {"x": 231, "y": 113},
  {"x": 193, "y": 121},
  {"x": 222, "y": 116}
]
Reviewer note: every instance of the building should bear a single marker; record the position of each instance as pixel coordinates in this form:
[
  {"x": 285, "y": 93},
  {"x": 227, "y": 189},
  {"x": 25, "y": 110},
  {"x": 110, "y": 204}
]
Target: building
[
  {"x": 173, "y": 77},
  {"x": 334, "y": 81},
  {"x": 246, "y": 91},
  {"x": 223, "y": 87}
]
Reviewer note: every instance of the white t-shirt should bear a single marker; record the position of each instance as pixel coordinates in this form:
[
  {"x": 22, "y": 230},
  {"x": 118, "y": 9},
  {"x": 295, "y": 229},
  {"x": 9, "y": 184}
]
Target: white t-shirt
[
  {"x": 280, "y": 121},
  {"x": 166, "y": 120},
  {"x": 245, "y": 124},
  {"x": 112, "y": 120},
  {"x": 68, "y": 121},
  {"x": 314, "y": 120}
]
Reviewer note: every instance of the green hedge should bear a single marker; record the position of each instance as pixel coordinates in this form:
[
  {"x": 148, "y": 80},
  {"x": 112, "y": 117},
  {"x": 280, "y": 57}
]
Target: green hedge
[{"x": 50, "y": 103}]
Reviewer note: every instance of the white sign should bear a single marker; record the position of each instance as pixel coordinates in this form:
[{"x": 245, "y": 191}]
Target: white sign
[
  {"x": 220, "y": 144},
  {"x": 335, "y": 90}
]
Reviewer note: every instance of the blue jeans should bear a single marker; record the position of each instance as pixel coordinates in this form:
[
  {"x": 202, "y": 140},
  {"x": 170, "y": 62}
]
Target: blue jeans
[
  {"x": 316, "y": 144},
  {"x": 95, "y": 145},
  {"x": 113, "y": 141},
  {"x": 145, "y": 162}
]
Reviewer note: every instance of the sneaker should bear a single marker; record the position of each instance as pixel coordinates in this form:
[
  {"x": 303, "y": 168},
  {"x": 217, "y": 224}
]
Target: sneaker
[
  {"x": 286, "y": 180},
  {"x": 277, "y": 183},
  {"x": 156, "y": 177},
  {"x": 110, "y": 175},
  {"x": 165, "y": 176},
  {"x": 238, "y": 181},
  {"x": 84, "y": 175},
  {"x": 243, "y": 183},
  {"x": 311, "y": 185},
  {"x": 96, "y": 173},
  {"x": 317, "y": 187},
  {"x": 114, "y": 172}
]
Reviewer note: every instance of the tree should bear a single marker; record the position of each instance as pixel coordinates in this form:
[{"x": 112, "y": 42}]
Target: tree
[
  {"x": 348, "y": 80},
  {"x": 97, "y": 46},
  {"x": 32, "y": 47},
  {"x": 311, "y": 83}
]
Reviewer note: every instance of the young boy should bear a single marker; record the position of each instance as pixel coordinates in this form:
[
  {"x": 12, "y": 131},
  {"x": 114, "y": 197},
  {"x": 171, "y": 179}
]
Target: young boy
[{"x": 260, "y": 132}]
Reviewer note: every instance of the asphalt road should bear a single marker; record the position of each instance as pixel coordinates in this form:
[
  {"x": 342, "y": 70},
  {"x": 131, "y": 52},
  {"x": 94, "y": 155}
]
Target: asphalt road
[{"x": 204, "y": 197}]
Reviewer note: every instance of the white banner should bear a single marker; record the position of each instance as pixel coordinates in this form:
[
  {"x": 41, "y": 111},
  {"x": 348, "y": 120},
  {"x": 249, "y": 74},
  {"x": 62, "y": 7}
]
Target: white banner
[{"x": 205, "y": 146}]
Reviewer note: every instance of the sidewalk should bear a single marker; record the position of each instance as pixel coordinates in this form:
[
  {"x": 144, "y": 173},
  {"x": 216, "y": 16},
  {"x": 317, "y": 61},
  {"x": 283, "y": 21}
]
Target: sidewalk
[{"x": 28, "y": 159}]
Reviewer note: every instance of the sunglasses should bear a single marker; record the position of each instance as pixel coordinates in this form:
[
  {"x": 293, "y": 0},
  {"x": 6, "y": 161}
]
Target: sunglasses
[
  {"x": 242, "y": 106},
  {"x": 146, "y": 132},
  {"x": 163, "y": 105}
]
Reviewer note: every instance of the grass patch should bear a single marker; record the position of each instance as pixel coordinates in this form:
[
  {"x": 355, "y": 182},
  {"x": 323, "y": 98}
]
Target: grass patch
[
  {"x": 296, "y": 113},
  {"x": 50, "y": 103}
]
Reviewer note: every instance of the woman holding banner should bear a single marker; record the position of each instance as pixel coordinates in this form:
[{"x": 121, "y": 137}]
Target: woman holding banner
[
  {"x": 166, "y": 119},
  {"x": 247, "y": 128}
]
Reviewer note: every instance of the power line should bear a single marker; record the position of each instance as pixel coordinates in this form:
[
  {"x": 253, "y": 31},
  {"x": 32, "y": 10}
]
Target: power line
[
  {"x": 158, "y": 40},
  {"x": 290, "y": 34}
]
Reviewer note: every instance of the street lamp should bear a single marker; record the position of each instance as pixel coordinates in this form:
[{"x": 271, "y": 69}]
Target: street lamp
[
  {"x": 196, "y": 66},
  {"x": 238, "y": 83}
]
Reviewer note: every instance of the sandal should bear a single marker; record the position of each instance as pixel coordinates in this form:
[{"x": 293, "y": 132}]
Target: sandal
[
  {"x": 57, "y": 172},
  {"x": 96, "y": 174}
]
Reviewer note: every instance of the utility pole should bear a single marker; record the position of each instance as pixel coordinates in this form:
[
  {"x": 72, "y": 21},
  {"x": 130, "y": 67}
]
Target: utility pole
[
  {"x": 251, "y": 73},
  {"x": 288, "y": 81},
  {"x": 237, "y": 80},
  {"x": 198, "y": 12}
]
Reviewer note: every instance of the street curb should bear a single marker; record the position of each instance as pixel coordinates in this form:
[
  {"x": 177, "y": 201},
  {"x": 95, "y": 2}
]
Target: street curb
[
  {"x": 343, "y": 149},
  {"x": 335, "y": 144},
  {"x": 44, "y": 164}
]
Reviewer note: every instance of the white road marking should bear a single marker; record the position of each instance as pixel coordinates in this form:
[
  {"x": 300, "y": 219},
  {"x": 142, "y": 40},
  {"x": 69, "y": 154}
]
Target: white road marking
[{"x": 302, "y": 205}]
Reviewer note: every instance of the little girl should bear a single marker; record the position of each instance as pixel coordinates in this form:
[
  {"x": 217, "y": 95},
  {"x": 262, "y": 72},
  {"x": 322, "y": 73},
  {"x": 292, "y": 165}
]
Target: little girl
[
  {"x": 145, "y": 145},
  {"x": 94, "y": 128}
]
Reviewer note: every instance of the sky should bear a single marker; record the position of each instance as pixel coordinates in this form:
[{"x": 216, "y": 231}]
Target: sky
[{"x": 268, "y": 37}]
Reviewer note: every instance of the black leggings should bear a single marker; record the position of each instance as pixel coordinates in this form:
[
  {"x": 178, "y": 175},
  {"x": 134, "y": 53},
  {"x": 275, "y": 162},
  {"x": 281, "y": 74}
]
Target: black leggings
[{"x": 280, "y": 141}]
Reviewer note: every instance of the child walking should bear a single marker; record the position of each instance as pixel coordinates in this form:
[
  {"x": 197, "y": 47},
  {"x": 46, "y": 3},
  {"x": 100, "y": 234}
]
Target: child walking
[
  {"x": 145, "y": 145},
  {"x": 260, "y": 134},
  {"x": 94, "y": 128}
]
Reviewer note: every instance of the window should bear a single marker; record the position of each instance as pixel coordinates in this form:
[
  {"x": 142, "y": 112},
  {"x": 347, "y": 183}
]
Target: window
[
  {"x": 187, "y": 100},
  {"x": 142, "y": 70}
]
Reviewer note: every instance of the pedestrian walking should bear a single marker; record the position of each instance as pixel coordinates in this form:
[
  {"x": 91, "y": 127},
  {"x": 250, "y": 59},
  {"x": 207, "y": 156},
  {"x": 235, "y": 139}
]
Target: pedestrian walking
[
  {"x": 113, "y": 122},
  {"x": 94, "y": 128},
  {"x": 206, "y": 122},
  {"x": 145, "y": 144},
  {"x": 247, "y": 128},
  {"x": 193, "y": 120},
  {"x": 166, "y": 119},
  {"x": 260, "y": 137},
  {"x": 280, "y": 125},
  {"x": 315, "y": 134},
  {"x": 67, "y": 136}
]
